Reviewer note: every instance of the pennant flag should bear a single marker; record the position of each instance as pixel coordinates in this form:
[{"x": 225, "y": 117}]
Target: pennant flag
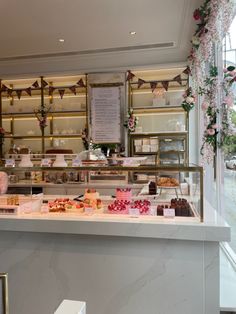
[
  {"x": 73, "y": 89},
  {"x": 187, "y": 70},
  {"x": 28, "y": 91},
  {"x": 51, "y": 90},
  {"x": 35, "y": 84},
  {"x": 130, "y": 76},
  {"x": 165, "y": 84},
  {"x": 178, "y": 79},
  {"x": 4, "y": 88},
  {"x": 61, "y": 92},
  {"x": 140, "y": 82},
  {"x": 81, "y": 83},
  {"x": 44, "y": 83},
  {"x": 153, "y": 85},
  {"x": 19, "y": 92},
  {"x": 9, "y": 92}
]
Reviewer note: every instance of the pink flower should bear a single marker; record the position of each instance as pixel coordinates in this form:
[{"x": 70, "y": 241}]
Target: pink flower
[
  {"x": 229, "y": 101},
  {"x": 196, "y": 14},
  {"x": 205, "y": 105},
  {"x": 215, "y": 126},
  {"x": 225, "y": 70},
  {"x": 211, "y": 131}
]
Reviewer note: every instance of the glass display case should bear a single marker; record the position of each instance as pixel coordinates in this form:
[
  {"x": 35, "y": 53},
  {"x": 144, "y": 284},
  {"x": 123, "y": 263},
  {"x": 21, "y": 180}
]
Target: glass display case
[{"x": 168, "y": 191}]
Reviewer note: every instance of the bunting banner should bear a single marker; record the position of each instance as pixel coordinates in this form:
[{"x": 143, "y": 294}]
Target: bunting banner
[
  {"x": 140, "y": 82},
  {"x": 35, "y": 84},
  {"x": 61, "y": 92},
  {"x": 130, "y": 76},
  {"x": 165, "y": 84},
  {"x": 187, "y": 71},
  {"x": 28, "y": 91},
  {"x": 18, "y": 93},
  {"x": 81, "y": 83},
  {"x": 153, "y": 85},
  {"x": 73, "y": 89},
  {"x": 51, "y": 90},
  {"x": 4, "y": 88},
  {"x": 178, "y": 79},
  {"x": 44, "y": 83},
  {"x": 9, "y": 92}
]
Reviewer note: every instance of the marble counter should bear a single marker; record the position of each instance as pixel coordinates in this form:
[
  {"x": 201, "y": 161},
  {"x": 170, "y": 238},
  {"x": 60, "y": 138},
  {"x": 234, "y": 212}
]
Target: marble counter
[{"x": 117, "y": 265}]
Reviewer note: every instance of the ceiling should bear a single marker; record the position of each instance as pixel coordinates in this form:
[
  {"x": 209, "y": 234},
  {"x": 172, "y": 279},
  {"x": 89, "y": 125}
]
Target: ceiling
[{"x": 31, "y": 29}]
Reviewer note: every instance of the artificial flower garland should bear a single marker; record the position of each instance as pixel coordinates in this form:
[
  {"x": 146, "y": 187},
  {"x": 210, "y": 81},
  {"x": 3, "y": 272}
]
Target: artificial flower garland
[{"x": 189, "y": 100}]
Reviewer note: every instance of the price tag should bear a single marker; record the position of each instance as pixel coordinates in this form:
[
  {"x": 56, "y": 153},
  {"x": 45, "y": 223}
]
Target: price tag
[
  {"x": 10, "y": 163},
  {"x": 46, "y": 162},
  {"x": 169, "y": 212},
  {"x": 134, "y": 212},
  {"x": 88, "y": 210},
  {"x": 76, "y": 162}
]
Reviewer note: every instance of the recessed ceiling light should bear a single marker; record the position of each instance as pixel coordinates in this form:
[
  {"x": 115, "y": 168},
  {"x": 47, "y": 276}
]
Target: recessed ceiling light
[
  {"x": 132, "y": 33},
  {"x": 61, "y": 40}
]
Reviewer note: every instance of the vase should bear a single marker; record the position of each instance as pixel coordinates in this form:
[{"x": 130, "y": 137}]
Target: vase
[
  {"x": 25, "y": 161},
  {"x": 60, "y": 161}
]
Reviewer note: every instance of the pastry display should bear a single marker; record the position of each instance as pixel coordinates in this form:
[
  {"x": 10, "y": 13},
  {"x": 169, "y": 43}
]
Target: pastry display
[
  {"x": 181, "y": 206},
  {"x": 94, "y": 203},
  {"x": 91, "y": 194},
  {"x": 123, "y": 194},
  {"x": 167, "y": 182},
  {"x": 119, "y": 207},
  {"x": 65, "y": 204},
  {"x": 142, "y": 205}
]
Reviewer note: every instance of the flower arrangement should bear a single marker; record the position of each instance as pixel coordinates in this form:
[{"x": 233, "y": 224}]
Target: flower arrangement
[
  {"x": 41, "y": 115},
  {"x": 209, "y": 143},
  {"x": 189, "y": 100},
  {"x": 132, "y": 121}
]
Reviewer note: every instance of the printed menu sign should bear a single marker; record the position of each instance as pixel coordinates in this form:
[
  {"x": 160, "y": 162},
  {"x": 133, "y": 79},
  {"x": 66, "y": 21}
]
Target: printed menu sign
[{"x": 105, "y": 115}]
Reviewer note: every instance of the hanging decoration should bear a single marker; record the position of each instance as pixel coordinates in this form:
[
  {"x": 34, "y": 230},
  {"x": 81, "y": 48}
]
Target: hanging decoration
[
  {"x": 18, "y": 93},
  {"x": 35, "y": 84},
  {"x": 51, "y": 90},
  {"x": 153, "y": 85},
  {"x": 28, "y": 91},
  {"x": 61, "y": 92},
  {"x": 4, "y": 88},
  {"x": 41, "y": 114},
  {"x": 131, "y": 122},
  {"x": 189, "y": 100},
  {"x": 44, "y": 83},
  {"x": 73, "y": 89},
  {"x": 80, "y": 83},
  {"x": 213, "y": 19}
]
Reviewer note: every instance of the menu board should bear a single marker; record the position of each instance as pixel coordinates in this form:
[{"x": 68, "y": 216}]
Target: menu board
[{"x": 106, "y": 115}]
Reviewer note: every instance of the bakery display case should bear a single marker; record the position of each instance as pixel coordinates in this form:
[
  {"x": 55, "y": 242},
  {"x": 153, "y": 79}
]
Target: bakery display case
[{"x": 105, "y": 190}]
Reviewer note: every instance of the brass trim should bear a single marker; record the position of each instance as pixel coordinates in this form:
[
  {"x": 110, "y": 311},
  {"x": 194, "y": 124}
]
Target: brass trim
[{"x": 5, "y": 297}]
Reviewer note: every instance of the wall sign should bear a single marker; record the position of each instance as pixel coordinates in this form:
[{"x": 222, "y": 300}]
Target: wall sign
[{"x": 106, "y": 114}]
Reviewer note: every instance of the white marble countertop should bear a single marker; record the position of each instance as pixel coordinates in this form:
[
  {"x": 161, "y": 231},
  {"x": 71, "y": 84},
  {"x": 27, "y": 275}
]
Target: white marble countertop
[{"x": 179, "y": 228}]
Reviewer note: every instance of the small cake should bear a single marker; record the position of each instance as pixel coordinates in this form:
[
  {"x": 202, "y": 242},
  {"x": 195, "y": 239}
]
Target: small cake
[
  {"x": 123, "y": 194},
  {"x": 143, "y": 206},
  {"x": 91, "y": 194},
  {"x": 152, "y": 188},
  {"x": 119, "y": 207}
]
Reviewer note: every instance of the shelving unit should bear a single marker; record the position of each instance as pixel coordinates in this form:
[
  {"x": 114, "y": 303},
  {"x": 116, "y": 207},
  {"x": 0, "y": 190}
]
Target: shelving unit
[{"x": 66, "y": 118}]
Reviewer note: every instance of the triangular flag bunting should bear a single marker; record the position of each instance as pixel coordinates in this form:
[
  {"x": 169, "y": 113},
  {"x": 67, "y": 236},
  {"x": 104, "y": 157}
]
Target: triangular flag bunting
[
  {"x": 73, "y": 89},
  {"x": 44, "y": 83},
  {"x": 153, "y": 85},
  {"x": 9, "y": 92},
  {"x": 140, "y": 82},
  {"x": 4, "y": 88},
  {"x": 81, "y": 83},
  {"x": 28, "y": 91},
  {"x": 18, "y": 93},
  {"x": 61, "y": 92},
  {"x": 165, "y": 84},
  {"x": 35, "y": 84},
  {"x": 178, "y": 79},
  {"x": 51, "y": 90},
  {"x": 130, "y": 76},
  {"x": 187, "y": 70}
]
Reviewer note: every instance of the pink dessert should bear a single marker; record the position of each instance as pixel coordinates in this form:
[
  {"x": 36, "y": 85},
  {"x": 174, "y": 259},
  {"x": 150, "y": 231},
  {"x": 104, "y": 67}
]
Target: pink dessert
[
  {"x": 124, "y": 194},
  {"x": 142, "y": 205},
  {"x": 119, "y": 207}
]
